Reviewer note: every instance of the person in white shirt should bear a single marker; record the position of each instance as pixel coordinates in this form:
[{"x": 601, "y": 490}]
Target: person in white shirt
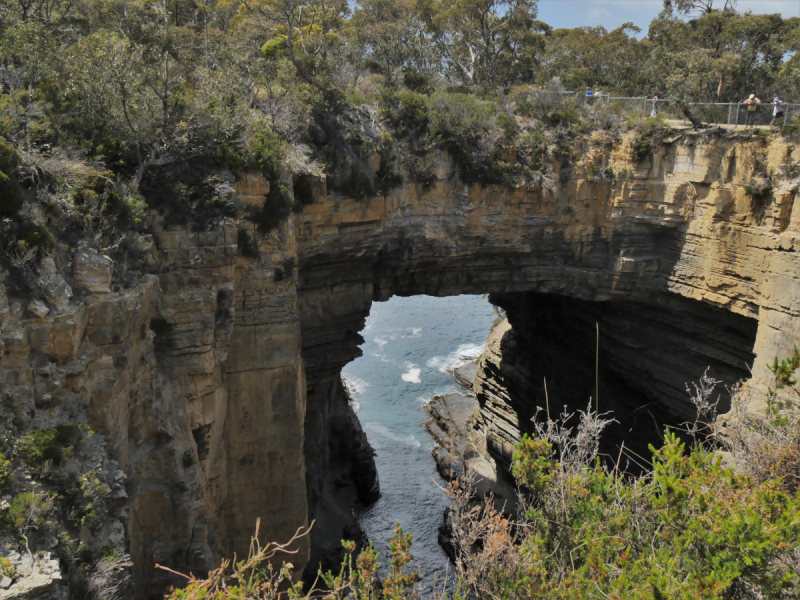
[{"x": 777, "y": 109}]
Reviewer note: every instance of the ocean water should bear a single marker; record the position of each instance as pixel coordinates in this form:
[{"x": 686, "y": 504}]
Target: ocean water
[{"x": 411, "y": 347}]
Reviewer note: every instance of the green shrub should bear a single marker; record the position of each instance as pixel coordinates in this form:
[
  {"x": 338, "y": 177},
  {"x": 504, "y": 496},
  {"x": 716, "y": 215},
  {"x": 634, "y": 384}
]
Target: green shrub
[
  {"x": 650, "y": 131},
  {"x": 642, "y": 147},
  {"x": 564, "y": 116},
  {"x": 7, "y": 568},
  {"x": 27, "y": 508},
  {"x": 691, "y": 529},
  {"x": 39, "y": 447},
  {"x": 266, "y": 153},
  {"x": 412, "y": 113},
  {"x": 758, "y": 190},
  {"x": 6, "y": 474},
  {"x": 534, "y": 147},
  {"x": 499, "y": 171},
  {"x": 416, "y": 81},
  {"x": 606, "y": 174},
  {"x": 508, "y": 125},
  {"x": 458, "y": 89},
  {"x": 51, "y": 444},
  {"x": 460, "y": 117},
  {"x": 460, "y": 122},
  {"x": 10, "y": 190},
  {"x": 38, "y": 237},
  {"x": 92, "y": 490},
  {"x": 763, "y": 135}
]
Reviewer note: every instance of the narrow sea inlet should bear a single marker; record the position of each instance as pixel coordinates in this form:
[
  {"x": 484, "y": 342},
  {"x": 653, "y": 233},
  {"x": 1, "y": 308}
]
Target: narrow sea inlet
[{"x": 411, "y": 347}]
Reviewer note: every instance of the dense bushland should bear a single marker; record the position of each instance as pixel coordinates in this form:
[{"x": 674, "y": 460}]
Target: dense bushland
[{"x": 108, "y": 109}]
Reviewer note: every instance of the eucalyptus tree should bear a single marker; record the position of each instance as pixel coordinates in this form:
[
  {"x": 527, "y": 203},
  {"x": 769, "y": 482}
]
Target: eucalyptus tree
[
  {"x": 478, "y": 39},
  {"x": 719, "y": 54},
  {"x": 593, "y": 56},
  {"x": 386, "y": 35}
]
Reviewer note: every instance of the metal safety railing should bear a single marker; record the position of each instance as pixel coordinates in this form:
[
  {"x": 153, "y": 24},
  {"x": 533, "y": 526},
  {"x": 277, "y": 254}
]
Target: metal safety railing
[{"x": 729, "y": 113}]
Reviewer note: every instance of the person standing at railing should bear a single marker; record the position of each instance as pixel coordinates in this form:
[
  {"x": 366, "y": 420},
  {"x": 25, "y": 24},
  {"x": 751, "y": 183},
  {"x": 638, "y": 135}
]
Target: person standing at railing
[
  {"x": 752, "y": 103},
  {"x": 654, "y": 112},
  {"x": 588, "y": 92},
  {"x": 777, "y": 110}
]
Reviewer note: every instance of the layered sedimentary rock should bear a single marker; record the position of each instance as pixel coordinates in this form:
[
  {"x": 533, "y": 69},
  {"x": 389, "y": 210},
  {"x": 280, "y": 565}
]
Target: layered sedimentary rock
[
  {"x": 547, "y": 352},
  {"x": 673, "y": 251},
  {"x": 215, "y": 379},
  {"x": 194, "y": 379}
]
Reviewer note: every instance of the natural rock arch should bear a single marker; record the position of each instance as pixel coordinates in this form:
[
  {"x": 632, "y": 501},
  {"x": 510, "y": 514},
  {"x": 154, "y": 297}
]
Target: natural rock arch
[{"x": 676, "y": 239}]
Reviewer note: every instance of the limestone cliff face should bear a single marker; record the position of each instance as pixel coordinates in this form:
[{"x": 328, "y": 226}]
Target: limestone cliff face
[{"x": 215, "y": 380}]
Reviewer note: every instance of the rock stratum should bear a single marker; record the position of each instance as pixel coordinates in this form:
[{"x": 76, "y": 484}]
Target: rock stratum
[{"x": 214, "y": 385}]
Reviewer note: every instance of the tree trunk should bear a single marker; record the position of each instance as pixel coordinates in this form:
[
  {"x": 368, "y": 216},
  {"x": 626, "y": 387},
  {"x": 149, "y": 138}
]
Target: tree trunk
[
  {"x": 721, "y": 87},
  {"x": 696, "y": 123}
]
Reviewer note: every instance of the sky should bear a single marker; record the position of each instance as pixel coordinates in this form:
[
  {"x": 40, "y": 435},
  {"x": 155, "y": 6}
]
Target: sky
[{"x": 613, "y": 13}]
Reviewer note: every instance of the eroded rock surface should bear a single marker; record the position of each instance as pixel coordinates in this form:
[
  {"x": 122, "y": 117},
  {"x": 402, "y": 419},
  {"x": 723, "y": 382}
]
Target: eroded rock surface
[
  {"x": 36, "y": 577},
  {"x": 215, "y": 383}
]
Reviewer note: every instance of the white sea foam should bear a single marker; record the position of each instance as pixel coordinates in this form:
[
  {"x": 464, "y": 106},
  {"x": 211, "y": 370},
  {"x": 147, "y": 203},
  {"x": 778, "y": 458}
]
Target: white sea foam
[
  {"x": 450, "y": 389},
  {"x": 412, "y": 375},
  {"x": 355, "y": 387},
  {"x": 416, "y": 332},
  {"x": 381, "y": 342},
  {"x": 464, "y": 354},
  {"x": 383, "y": 431}
]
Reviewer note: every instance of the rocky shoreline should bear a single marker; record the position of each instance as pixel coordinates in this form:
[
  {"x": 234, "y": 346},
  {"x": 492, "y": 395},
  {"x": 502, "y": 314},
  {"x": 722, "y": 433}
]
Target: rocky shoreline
[{"x": 452, "y": 418}]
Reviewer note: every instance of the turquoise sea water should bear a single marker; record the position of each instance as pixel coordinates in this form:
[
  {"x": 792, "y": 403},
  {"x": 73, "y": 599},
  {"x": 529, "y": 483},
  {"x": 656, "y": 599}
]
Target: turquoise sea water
[{"x": 411, "y": 347}]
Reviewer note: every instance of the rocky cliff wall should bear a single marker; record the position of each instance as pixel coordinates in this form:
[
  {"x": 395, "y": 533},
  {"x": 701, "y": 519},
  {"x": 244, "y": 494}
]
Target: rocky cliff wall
[
  {"x": 194, "y": 380},
  {"x": 214, "y": 381},
  {"x": 673, "y": 249}
]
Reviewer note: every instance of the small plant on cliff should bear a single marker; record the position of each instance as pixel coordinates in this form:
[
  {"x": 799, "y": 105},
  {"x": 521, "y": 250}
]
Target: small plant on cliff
[
  {"x": 6, "y": 473},
  {"x": 7, "y": 569},
  {"x": 91, "y": 493},
  {"x": 651, "y": 131},
  {"x": 758, "y": 189},
  {"x": 39, "y": 447},
  {"x": 28, "y": 510}
]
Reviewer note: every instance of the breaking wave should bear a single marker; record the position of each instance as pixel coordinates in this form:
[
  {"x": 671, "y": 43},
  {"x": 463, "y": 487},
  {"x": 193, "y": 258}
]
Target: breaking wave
[{"x": 465, "y": 353}]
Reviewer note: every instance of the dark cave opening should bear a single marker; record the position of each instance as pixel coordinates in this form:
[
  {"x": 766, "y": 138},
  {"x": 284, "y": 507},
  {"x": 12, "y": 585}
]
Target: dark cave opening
[{"x": 649, "y": 351}]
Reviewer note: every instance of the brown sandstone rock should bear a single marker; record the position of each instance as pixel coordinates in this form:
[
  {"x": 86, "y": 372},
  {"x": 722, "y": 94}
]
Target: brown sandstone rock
[{"x": 92, "y": 270}]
